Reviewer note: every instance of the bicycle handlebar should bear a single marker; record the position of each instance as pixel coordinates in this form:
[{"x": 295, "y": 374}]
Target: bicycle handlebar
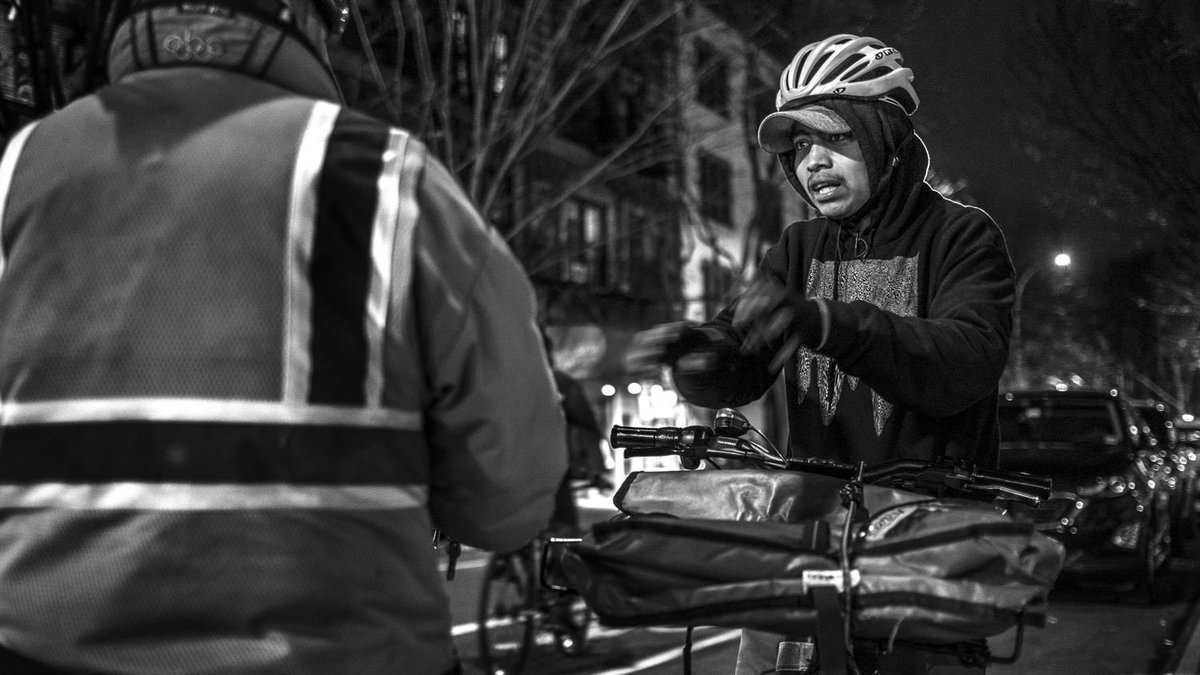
[{"x": 697, "y": 443}]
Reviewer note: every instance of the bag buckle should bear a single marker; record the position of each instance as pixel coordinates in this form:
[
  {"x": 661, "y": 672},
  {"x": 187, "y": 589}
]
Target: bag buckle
[{"x": 825, "y": 578}]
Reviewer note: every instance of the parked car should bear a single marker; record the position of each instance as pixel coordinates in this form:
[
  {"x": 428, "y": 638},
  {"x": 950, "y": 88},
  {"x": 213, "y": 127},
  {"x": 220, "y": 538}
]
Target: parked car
[
  {"x": 1110, "y": 506},
  {"x": 1178, "y": 464}
]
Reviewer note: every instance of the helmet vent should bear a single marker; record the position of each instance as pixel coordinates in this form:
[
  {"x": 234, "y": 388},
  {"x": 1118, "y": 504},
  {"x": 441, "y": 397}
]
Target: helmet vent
[
  {"x": 844, "y": 67},
  {"x": 872, "y": 74},
  {"x": 820, "y": 63}
]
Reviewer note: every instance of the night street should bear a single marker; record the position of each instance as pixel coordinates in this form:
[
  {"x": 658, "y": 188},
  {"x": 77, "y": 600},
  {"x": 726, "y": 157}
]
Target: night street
[{"x": 879, "y": 320}]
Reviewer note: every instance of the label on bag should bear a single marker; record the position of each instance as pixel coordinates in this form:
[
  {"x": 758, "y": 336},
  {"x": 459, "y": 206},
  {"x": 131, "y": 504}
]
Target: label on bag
[
  {"x": 884, "y": 522},
  {"x": 835, "y": 578}
]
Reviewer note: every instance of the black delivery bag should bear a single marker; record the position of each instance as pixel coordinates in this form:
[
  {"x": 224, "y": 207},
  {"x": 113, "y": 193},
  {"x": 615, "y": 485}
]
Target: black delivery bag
[{"x": 744, "y": 548}]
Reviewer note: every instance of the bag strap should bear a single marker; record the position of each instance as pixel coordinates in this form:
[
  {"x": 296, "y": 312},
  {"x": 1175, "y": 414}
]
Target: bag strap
[
  {"x": 831, "y": 639},
  {"x": 687, "y": 651}
]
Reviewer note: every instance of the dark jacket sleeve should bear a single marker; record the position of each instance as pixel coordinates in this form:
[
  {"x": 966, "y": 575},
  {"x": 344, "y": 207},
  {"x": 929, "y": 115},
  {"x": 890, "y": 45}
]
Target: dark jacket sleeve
[
  {"x": 737, "y": 377},
  {"x": 493, "y": 422},
  {"x": 940, "y": 363}
]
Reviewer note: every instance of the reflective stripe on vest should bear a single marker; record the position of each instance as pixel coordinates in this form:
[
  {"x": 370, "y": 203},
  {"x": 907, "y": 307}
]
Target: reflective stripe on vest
[
  {"x": 391, "y": 252},
  {"x": 8, "y": 167},
  {"x": 203, "y": 410},
  {"x": 189, "y": 497},
  {"x": 349, "y": 254},
  {"x": 301, "y": 225}
]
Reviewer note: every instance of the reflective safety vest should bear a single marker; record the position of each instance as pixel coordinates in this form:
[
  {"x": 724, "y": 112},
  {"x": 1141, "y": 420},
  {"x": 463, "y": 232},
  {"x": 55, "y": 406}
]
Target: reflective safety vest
[
  {"x": 255, "y": 320},
  {"x": 253, "y": 346}
]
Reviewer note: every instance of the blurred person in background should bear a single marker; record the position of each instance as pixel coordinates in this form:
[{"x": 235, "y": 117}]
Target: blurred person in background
[
  {"x": 889, "y": 314},
  {"x": 256, "y": 347},
  {"x": 586, "y": 464}
]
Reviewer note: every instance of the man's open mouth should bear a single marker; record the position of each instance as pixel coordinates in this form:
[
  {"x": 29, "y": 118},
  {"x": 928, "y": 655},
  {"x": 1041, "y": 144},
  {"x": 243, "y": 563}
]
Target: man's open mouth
[{"x": 823, "y": 187}]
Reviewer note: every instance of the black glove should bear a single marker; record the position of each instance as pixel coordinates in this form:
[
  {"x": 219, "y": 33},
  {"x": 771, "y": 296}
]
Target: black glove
[
  {"x": 684, "y": 346},
  {"x": 774, "y": 317}
]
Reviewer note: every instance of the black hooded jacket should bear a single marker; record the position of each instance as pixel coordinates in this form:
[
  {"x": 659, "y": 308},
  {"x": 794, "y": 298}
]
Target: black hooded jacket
[{"x": 918, "y": 296}]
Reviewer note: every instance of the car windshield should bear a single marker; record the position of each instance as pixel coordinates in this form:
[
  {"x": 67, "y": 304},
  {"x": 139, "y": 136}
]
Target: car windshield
[{"x": 1059, "y": 422}]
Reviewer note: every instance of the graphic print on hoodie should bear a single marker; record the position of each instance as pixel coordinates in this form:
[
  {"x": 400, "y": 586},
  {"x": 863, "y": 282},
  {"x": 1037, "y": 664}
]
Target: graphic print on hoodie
[{"x": 888, "y": 284}]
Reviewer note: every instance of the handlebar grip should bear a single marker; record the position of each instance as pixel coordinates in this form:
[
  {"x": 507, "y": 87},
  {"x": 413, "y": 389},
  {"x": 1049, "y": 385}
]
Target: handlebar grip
[
  {"x": 662, "y": 438},
  {"x": 635, "y": 438}
]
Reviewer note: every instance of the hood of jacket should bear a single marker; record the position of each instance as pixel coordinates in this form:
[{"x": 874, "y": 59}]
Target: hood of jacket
[
  {"x": 897, "y": 162},
  {"x": 171, "y": 35}
]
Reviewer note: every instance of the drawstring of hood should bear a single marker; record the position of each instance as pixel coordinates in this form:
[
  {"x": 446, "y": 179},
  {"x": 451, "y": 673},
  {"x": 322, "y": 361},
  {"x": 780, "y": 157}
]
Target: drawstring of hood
[{"x": 859, "y": 243}]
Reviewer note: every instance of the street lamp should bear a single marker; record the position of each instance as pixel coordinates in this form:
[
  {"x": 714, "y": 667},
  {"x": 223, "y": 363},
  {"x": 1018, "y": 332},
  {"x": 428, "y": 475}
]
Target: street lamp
[{"x": 1060, "y": 260}]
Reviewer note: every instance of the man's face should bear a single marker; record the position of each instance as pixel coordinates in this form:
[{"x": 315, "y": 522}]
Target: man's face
[{"x": 832, "y": 170}]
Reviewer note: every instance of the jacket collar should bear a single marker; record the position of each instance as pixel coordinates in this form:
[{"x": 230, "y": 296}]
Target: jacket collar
[{"x": 170, "y": 36}]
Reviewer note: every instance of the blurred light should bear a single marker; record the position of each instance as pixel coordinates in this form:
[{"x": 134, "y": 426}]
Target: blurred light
[
  {"x": 1127, "y": 535},
  {"x": 608, "y": 390},
  {"x": 1062, "y": 260},
  {"x": 634, "y": 388},
  {"x": 1077, "y": 380},
  {"x": 663, "y": 399}
]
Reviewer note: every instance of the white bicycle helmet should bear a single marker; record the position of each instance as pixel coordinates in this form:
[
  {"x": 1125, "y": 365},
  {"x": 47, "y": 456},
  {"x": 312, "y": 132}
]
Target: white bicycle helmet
[{"x": 842, "y": 65}]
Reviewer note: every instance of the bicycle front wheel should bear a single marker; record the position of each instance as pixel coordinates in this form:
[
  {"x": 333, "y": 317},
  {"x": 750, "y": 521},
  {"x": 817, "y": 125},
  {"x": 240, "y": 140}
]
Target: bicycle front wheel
[{"x": 506, "y": 613}]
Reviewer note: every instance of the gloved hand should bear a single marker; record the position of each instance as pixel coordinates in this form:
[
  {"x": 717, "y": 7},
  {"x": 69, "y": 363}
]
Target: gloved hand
[
  {"x": 682, "y": 345},
  {"x": 770, "y": 314}
]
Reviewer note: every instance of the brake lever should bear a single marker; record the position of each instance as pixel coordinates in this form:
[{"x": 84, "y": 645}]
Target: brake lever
[{"x": 1011, "y": 493}]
